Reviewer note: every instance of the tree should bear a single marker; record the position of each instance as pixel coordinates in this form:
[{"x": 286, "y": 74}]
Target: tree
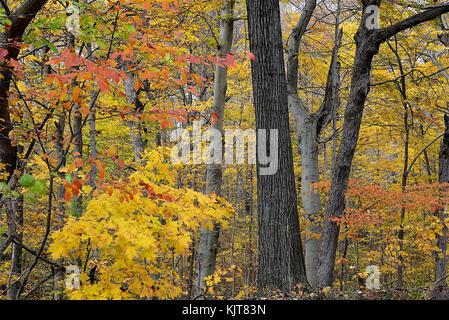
[
  {"x": 9, "y": 49},
  {"x": 280, "y": 257},
  {"x": 443, "y": 173},
  {"x": 368, "y": 41},
  {"x": 10, "y": 41},
  {"x": 208, "y": 241},
  {"x": 309, "y": 127}
]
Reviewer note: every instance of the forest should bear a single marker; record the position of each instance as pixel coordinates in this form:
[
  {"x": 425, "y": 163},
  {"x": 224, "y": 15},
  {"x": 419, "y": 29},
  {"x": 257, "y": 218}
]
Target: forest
[{"x": 224, "y": 150}]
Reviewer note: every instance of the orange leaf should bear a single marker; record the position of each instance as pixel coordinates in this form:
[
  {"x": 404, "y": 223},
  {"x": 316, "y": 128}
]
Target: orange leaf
[
  {"x": 67, "y": 193},
  {"x": 79, "y": 162},
  {"x": 75, "y": 190},
  {"x": 165, "y": 124},
  {"x": 76, "y": 95}
]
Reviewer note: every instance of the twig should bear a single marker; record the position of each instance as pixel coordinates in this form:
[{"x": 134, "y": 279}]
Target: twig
[
  {"x": 51, "y": 275},
  {"x": 416, "y": 158},
  {"x": 5, "y": 244},
  {"x": 54, "y": 264}
]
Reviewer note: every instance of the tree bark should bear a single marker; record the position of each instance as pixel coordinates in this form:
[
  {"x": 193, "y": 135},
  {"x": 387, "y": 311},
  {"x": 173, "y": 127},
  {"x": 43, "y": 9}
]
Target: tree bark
[
  {"x": 443, "y": 174},
  {"x": 208, "y": 241},
  {"x": 16, "y": 252},
  {"x": 280, "y": 256},
  {"x": 20, "y": 19}
]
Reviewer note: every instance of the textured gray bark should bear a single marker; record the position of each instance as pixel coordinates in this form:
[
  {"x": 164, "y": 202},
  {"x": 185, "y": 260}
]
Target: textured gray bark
[
  {"x": 367, "y": 45},
  {"x": 280, "y": 257},
  {"x": 443, "y": 175},
  {"x": 16, "y": 252},
  {"x": 310, "y": 199},
  {"x": 208, "y": 241},
  {"x": 76, "y": 127}
]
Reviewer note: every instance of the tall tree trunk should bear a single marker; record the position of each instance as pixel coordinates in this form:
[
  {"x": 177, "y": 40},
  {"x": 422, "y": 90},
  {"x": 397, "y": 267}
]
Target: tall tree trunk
[
  {"x": 58, "y": 287},
  {"x": 443, "y": 177},
  {"x": 208, "y": 241},
  {"x": 441, "y": 256},
  {"x": 16, "y": 252},
  {"x": 368, "y": 41},
  {"x": 309, "y": 127},
  {"x": 402, "y": 88},
  {"x": 310, "y": 198},
  {"x": 280, "y": 256},
  {"x": 19, "y": 21}
]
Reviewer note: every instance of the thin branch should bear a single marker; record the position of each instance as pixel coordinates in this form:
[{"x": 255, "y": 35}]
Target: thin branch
[
  {"x": 5, "y": 244},
  {"x": 422, "y": 151},
  {"x": 54, "y": 264},
  {"x": 433, "y": 12},
  {"x": 51, "y": 275}
]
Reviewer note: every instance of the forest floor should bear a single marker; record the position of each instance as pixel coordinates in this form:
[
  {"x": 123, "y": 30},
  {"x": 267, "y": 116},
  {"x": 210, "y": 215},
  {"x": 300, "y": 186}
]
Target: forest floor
[{"x": 363, "y": 294}]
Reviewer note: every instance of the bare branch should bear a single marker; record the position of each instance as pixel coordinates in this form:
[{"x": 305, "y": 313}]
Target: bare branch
[
  {"x": 295, "y": 40},
  {"x": 429, "y": 14}
]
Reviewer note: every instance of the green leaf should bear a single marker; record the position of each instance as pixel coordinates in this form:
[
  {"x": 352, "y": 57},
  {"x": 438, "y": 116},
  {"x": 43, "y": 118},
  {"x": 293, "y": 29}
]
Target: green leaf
[
  {"x": 27, "y": 181},
  {"x": 69, "y": 178},
  {"x": 30, "y": 197},
  {"x": 39, "y": 188},
  {"x": 4, "y": 188}
]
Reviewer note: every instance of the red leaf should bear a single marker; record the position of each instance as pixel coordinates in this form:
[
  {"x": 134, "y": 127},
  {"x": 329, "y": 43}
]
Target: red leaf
[
  {"x": 3, "y": 53},
  {"x": 230, "y": 60},
  {"x": 120, "y": 163},
  {"x": 251, "y": 56}
]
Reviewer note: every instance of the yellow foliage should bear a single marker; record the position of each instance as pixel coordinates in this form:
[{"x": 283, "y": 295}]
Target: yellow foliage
[{"x": 139, "y": 228}]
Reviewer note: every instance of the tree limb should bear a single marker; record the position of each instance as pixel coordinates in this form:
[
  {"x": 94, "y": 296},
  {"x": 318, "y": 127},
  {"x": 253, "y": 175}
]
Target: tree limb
[
  {"x": 294, "y": 42},
  {"x": 22, "y": 17},
  {"x": 429, "y": 14}
]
